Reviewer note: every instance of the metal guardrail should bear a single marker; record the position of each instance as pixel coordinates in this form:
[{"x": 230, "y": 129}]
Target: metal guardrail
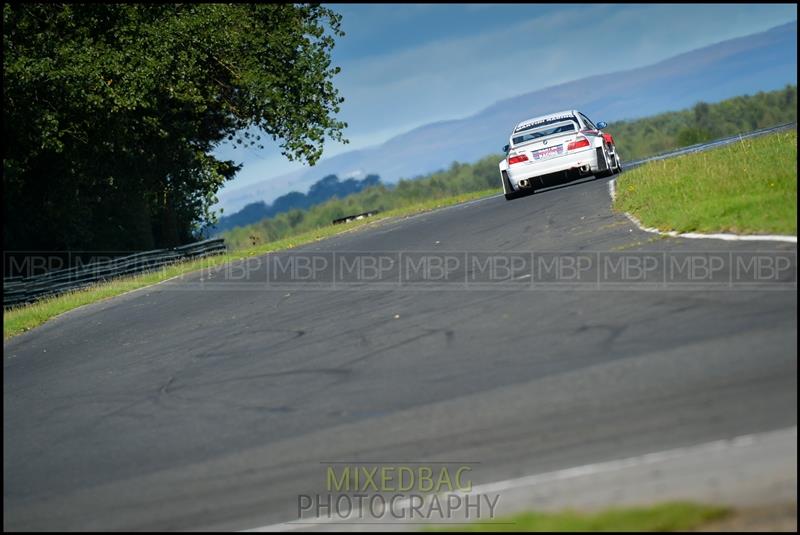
[
  {"x": 354, "y": 217},
  {"x": 700, "y": 147},
  {"x": 20, "y": 290}
]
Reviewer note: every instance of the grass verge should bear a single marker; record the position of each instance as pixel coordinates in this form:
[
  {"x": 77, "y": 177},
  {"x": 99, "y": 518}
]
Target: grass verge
[
  {"x": 745, "y": 188},
  {"x": 671, "y": 516},
  {"x": 24, "y": 318}
]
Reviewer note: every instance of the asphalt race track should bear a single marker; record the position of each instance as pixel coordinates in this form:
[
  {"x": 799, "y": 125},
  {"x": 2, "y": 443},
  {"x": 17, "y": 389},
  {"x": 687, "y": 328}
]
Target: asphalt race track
[{"x": 194, "y": 405}]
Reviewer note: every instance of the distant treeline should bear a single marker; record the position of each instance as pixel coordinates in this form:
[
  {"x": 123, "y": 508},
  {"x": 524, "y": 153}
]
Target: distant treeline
[
  {"x": 459, "y": 178},
  {"x": 635, "y": 139},
  {"x": 321, "y": 191},
  {"x": 704, "y": 122}
]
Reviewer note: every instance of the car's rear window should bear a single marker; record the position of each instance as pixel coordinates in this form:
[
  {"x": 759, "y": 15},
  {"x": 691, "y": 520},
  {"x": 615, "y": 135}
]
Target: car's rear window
[{"x": 544, "y": 131}]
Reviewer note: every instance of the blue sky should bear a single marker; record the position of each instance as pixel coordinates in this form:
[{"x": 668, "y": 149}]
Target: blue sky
[{"x": 405, "y": 65}]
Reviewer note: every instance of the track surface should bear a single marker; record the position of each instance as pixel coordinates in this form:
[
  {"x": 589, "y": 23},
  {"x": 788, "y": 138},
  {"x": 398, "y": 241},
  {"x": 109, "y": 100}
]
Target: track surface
[{"x": 178, "y": 408}]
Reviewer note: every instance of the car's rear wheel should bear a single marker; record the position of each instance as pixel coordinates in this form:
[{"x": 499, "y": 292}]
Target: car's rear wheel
[
  {"x": 604, "y": 161},
  {"x": 617, "y": 163},
  {"x": 511, "y": 195}
]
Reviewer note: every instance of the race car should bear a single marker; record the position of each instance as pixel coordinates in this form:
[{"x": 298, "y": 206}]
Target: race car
[{"x": 564, "y": 145}]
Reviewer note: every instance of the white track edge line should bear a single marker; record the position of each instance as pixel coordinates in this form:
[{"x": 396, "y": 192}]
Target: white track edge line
[
  {"x": 695, "y": 235},
  {"x": 569, "y": 473}
]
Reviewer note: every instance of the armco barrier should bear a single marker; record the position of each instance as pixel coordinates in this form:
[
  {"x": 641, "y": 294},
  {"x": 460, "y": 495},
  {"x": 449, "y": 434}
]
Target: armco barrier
[
  {"x": 20, "y": 290},
  {"x": 701, "y": 147},
  {"x": 354, "y": 217}
]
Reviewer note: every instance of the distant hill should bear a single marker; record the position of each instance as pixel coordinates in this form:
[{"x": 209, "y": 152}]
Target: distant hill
[
  {"x": 758, "y": 62},
  {"x": 321, "y": 191}
]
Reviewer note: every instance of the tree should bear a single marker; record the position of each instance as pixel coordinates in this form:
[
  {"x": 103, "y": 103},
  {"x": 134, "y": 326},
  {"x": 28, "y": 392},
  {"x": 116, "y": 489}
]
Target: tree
[
  {"x": 691, "y": 136},
  {"x": 111, "y": 112},
  {"x": 702, "y": 117}
]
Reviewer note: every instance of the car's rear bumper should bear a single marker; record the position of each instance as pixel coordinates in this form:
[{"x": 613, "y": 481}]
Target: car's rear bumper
[{"x": 567, "y": 162}]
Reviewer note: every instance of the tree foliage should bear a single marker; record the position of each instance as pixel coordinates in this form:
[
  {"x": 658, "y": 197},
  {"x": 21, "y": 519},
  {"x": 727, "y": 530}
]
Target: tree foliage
[{"x": 111, "y": 112}]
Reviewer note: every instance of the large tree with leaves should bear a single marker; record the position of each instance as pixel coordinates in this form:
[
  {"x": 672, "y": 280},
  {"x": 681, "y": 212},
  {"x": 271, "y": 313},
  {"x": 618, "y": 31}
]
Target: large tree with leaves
[{"x": 111, "y": 112}]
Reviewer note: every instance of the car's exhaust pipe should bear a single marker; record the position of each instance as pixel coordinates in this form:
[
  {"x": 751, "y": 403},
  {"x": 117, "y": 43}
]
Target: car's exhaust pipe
[
  {"x": 585, "y": 169},
  {"x": 524, "y": 183}
]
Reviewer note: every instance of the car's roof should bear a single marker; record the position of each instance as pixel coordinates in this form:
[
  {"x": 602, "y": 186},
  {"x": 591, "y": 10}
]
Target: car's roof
[{"x": 548, "y": 117}]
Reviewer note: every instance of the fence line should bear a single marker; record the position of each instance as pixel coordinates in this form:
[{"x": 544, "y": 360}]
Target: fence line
[{"x": 18, "y": 290}]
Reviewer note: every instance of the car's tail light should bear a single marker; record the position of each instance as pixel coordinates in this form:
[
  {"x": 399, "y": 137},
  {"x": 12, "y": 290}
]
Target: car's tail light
[
  {"x": 577, "y": 144},
  {"x": 517, "y": 159}
]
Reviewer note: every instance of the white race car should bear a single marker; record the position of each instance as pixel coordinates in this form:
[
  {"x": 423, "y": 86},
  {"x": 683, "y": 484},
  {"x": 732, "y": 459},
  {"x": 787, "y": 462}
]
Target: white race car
[{"x": 565, "y": 145}]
